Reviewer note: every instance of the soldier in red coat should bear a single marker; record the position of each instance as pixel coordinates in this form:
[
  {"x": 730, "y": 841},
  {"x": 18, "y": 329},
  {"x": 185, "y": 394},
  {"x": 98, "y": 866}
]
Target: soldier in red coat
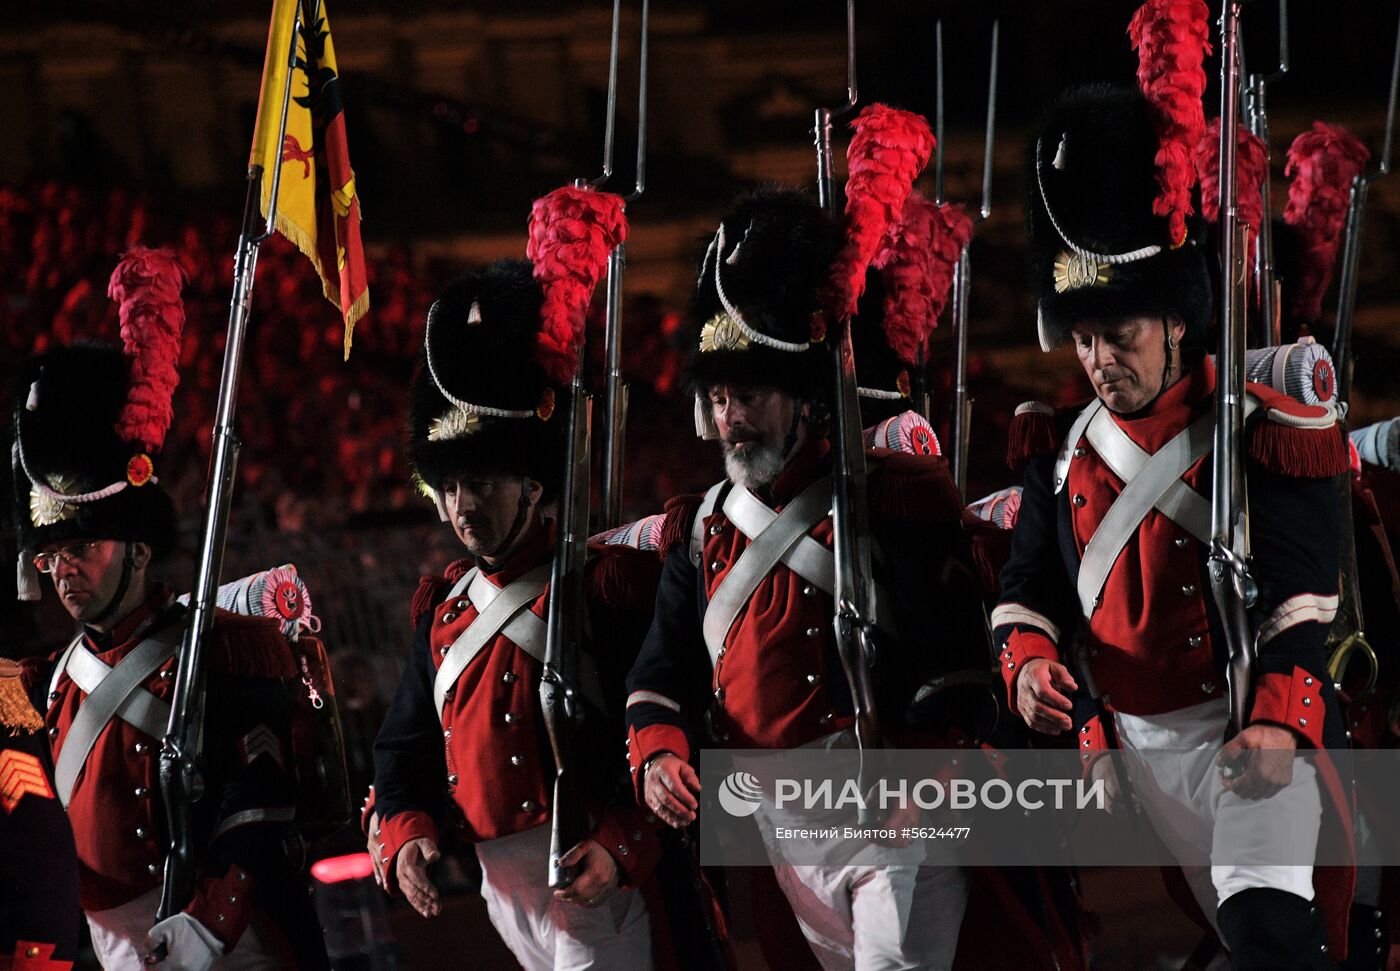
[
  {"x": 1107, "y": 584},
  {"x": 90, "y": 513},
  {"x": 463, "y": 754},
  {"x": 744, "y": 644}
]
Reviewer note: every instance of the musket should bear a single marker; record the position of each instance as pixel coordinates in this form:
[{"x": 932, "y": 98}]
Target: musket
[
  {"x": 181, "y": 784},
  {"x": 1232, "y": 585},
  {"x": 560, "y": 698},
  {"x": 615, "y": 394},
  {"x": 962, "y": 272},
  {"x": 1269, "y": 329},
  {"x": 854, "y": 587},
  {"x": 1348, "y": 631}
]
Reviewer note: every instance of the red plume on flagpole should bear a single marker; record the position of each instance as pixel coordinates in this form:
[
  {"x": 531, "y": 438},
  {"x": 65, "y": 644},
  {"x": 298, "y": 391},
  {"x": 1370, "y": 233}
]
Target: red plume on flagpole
[
  {"x": 1323, "y": 161},
  {"x": 1171, "y": 38},
  {"x": 572, "y": 232},
  {"x": 916, "y": 259},
  {"x": 146, "y": 285},
  {"x": 1251, "y": 169},
  {"x": 886, "y": 154}
]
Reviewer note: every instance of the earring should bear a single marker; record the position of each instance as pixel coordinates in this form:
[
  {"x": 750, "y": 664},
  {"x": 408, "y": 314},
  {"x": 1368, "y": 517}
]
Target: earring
[{"x": 1171, "y": 342}]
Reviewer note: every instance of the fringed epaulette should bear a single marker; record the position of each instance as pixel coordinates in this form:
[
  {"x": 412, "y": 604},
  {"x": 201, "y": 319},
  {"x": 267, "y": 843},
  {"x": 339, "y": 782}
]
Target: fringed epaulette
[
  {"x": 1292, "y": 438},
  {"x": 17, "y": 714},
  {"x": 913, "y": 488},
  {"x": 675, "y": 528},
  {"x": 431, "y": 590},
  {"x": 249, "y": 647},
  {"x": 623, "y": 577},
  {"x": 1032, "y": 432}
]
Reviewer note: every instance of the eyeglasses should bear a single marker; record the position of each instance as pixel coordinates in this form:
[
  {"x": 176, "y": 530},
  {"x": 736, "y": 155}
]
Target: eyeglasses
[{"x": 75, "y": 554}]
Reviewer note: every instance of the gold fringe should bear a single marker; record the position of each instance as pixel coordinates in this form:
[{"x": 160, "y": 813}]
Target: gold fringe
[
  {"x": 357, "y": 310},
  {"x": 16, "y": 713},
  {"x": 330, "y": 287}
]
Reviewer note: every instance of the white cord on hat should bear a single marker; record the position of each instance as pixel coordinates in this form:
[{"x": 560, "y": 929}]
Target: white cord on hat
[
  {"x": 465, "y": 406},
  {"x": 1111, "y": 259},
  {"x": 54, "y": 496},
  {"x": 732, "y": 311}
]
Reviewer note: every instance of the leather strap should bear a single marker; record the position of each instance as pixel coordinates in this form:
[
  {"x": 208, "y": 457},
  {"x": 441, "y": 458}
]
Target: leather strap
[
  {"x": 768, "y": 544},
  {"x": 1137, "y": 499},
  {"x": 1125, "y": 458},
  {"x": 106, "y": 700},
  {"x": 501, "y": 610},
  {"x": 141, "y": 709},
  {"x": 706, "y": 510},
  {"x": 1066, "y": 455}
]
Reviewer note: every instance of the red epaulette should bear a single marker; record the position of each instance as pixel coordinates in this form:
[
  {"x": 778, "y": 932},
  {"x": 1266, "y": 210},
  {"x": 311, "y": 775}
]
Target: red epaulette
[
  {"x": 249, "y": 647},
  {"x": 1031, "y": 432},
  {"x": 622, "y": 576},
  {"x": 675, "y": 527},
  {"x": 913, "y": 488},
  {"x": 1291, "y": 438},
  {"x": 431, "y": 590}
]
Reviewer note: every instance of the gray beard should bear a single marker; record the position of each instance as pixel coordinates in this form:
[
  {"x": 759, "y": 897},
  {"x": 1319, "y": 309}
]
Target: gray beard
[{"x": 756, "y": 468}]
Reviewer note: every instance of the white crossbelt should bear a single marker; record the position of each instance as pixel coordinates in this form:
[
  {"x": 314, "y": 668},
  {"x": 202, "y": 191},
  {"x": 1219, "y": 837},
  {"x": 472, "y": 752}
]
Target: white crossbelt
[
  {"x": 773, "y": 538},
  {"x": 504, "y": 611},
  {"x": 112, "y": 691}
]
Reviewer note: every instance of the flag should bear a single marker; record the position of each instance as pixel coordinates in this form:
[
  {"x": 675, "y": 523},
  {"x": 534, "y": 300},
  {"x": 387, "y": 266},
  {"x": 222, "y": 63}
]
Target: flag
[{"x": 317, "y": 208}]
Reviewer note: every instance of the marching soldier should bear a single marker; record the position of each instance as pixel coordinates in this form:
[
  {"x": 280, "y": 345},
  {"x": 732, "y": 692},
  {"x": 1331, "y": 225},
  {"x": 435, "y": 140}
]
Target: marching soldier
[
  {"x": 761, "y": 666},
  {"x": 1107, "y": 584},
  {"x": 90, "y": 512},
  {"x": 463, "y": 753}
]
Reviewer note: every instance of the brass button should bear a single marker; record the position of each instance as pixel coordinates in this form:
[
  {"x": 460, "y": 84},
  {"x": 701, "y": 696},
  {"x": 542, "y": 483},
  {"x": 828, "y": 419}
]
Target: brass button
[
  {"x": 814, "y": 632},
  {"x": 447, "y": 733},
  {"x": 809, "y": 591},
  {"x": 53, "y": 732},
  {"x": 529, "y": 806},
  {"x": 1302, "y": 723},
  {"x": 1079, "y": 499},
  {"x": 1188, "y": 590},
  {"x": 452, "y": 779},
  {"x": 140, "y": 832},
  {"x": 1080, "y": 452},
  {"x": 1194, "y": 640},
  {"x": 1307, "y": 702},
  {"x": 510, "y": 718},
  {"x": 462, "y": 604},
  {"x": 53, "y": 696},
  {"x": 714, "y": 567},
  {"x": 1010, "y": 665},
  {"x": 33, "y": 952},
  {"x": 167, "y": 674},
  {"x": 449, "y": 694},
  {"x": 716, "y": 529},
  {"x": 517, "y": 760},
  {"x": 1181, "y": 542},
  {"x": 444, "y": 649},
  {"x": 140, "y": 748},
  {"x": 719, "y": 696},
  {"x": 508, "y": 677},
  {"x": 142, "y": 792},
  {"x": 1308, "y": 682},
  {"x": 721, "y": 652},
  {"x": 152, "y": 867},
  {"x": 1084, "y": 730},
  {"x": 813, "y": 678},
  {"x": 448, "y": 617},
  {"x": 1207, "y": 687}
]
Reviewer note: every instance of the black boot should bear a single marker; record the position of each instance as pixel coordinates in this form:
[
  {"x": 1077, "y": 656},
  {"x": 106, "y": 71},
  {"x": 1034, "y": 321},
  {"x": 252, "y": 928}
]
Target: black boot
[
  {"x": 1368, "y": 940},
  {"x": 1273, "y": 930}
]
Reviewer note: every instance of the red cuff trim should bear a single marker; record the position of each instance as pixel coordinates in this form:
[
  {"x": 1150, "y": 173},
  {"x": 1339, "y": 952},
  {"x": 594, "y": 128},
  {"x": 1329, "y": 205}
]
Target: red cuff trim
[
  {"x": 34, "y": 956},
  {"x": 224, "y": 905},
  {"x": 1092, "y": 742},
  {"x": 632, "y": 842},
  {"x": 1293, "y": 701},
  {"x": 394, "y": 833},
  {"x": 649, "y": 741},
  {"x": 1018, "y": 648}
]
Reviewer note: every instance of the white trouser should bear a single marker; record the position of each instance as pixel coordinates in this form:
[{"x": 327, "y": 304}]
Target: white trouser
[
  {"x": 871, "y": 916},
  {"x": 119, "y": 939},
  {"x": 545, "y": 934},
  {"x": 1197, "y": 818}
]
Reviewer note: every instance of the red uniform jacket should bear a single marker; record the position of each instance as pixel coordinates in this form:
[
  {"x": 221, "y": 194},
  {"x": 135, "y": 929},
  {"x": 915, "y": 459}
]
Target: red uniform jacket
[{"x": 485, "y": 770}]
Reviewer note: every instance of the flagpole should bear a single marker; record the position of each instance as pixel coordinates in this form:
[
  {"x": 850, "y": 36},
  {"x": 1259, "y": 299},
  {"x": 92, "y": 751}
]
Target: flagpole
[{"x": 180, "y": 783}]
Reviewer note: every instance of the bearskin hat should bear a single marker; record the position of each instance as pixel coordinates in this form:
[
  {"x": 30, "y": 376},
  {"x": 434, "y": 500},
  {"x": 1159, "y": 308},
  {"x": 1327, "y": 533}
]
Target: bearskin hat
[
  {"x": 1098, "y": 252},
  {"x": 480, "y": 400},
  {"x": 67, "y": 404},
  {"x": 758, "y": 300}
]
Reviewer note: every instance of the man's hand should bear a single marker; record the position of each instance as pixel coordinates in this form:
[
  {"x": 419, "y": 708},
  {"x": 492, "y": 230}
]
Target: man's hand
[
  {"x": 898, "y": 821},
  {"x": 182, "y": 943},
  {"x": 1104, "y": 770},
  {"x": 1040, "y": 695},
  {"x": 670, "y": 790},
  {"x": 1263, "y": 758},
  {"x": 376, "y": 850},
  {"x": 412, "y": 872},
  {"x": 597, "y": 878}
]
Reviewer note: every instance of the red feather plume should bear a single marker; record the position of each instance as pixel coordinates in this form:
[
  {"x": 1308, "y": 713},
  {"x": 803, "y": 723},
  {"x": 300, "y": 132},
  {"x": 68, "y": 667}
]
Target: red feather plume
[
  {"x": 886, "y": 154},
  {"x": 146, "y": 285},
  {"x": 1171, "y": 40},
  {"x": 1322, "y": 161},
  {"x": 916, "y": 260},
  {"x": 1251, "y": 168},
  {"x": 572, "y": 232}
]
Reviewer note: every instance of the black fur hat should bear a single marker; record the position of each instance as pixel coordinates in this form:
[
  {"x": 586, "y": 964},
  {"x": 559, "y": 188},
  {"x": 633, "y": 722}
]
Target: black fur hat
[
  {"x": 480, "y": 400},
  {"x": 1092, "y": 183},
  {"x": 768, "y": 262},
  {"x": 885, "y": 381},
  {"x": 67, "y": 402}
]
